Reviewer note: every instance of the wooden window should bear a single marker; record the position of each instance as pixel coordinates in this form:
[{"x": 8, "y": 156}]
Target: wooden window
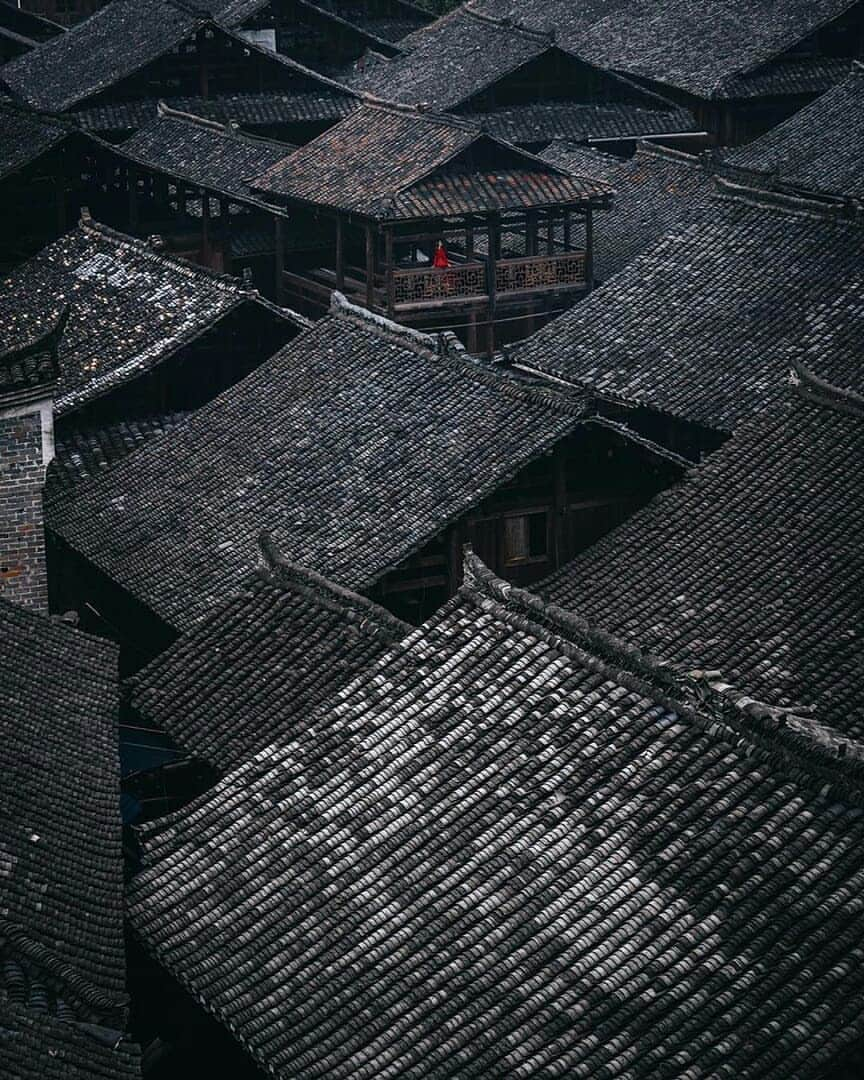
[{"x": 526, "y": 538}]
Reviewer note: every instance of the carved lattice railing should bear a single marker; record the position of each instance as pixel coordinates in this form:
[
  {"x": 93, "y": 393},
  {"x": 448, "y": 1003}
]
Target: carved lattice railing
[
  {"x": 416, "y": 286},
  {"x": 511, "y": 275},
  {"x": 540, "y": 272}
]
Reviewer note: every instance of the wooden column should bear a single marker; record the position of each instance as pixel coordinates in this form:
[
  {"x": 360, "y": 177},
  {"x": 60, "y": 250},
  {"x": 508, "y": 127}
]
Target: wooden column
[
  {"x": 279, "y": 237},
  {"x": 225, "y": 230},
  {"x": 370, "y": 266},
  {"x": 559, "y": 508},
  {"x": 550, "y": 233},
  {"x": 531, "y": 232},
  {"x": 132, "y": 191},
  {"x": 205, "y": 227},
  {"x": 494, "y": 234},
  {"x": 388, "y": 269},
  {"x": 567, "y": 231},
  {"x": 469, "y": 242},
  {"x": 340, "y": 254},
  {"x": 589, "y": 250}
]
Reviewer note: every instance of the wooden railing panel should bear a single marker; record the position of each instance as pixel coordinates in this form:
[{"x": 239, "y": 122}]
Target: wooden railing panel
[
  {"x": 416, "y": 286},
  {"x": 540, "y": 272}
]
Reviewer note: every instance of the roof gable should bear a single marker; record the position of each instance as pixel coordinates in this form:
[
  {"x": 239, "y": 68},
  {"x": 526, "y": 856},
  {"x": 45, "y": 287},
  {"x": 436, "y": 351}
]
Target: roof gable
[
  {"x": 260, "y": 664},
  {"x": 819, "y": 149},
  {"x": 751, "y": 569},
  {"x": 112, "y": 284},
  {"x": 705, "y": 322},
  {"x": 353, "y": 446},
  {"x": 499, "y": 839},
  {"x": 390, "y": 162}
]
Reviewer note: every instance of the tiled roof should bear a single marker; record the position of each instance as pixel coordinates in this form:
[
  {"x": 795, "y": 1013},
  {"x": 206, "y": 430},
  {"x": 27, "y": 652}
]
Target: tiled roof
[
  {"x": 514, "y": 848},
  {"x": 367, "y": 17},
  {"x": 35, "y": 1046},
  {"x": 542, "y": 121},
  {"x": 119, "y": 40},
  {"x": 248, "y": 109},
  {"x": 354, "y": 445},
  {"x": 25, "y": 136},
  {"x": 790, "y": 76},
  {"x": 752, "y": 568},
  {"x": 259, "y": 665},
  {"x": 130, "y": 308},
  {"x": 820, "y": 148},
  {"x": 218, "y": 156},
  {"x": 702, "y": 46},
  {"x": 452, "y": 60},
  {"x": 33, "y": 364},
  {"x": 61, "y": 871},
  {"x": 103, "y": 49},
  {"x": 704, "y": 323},
  {"x": 84, "y": 452},
  {"x": 655, "y": 191},
  {"x": 388, "y": 162}
]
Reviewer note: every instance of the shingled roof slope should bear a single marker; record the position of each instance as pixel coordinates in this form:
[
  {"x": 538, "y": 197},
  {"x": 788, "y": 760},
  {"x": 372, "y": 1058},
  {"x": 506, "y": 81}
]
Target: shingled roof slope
[
  {"x": 260, "y": 664},
  {"x": 113, "y": 286},
  {"x": 354, "y": 445},
  {"x": 216, "y": 156},
  {"x": 515, "y": 848},
  {"x": 118, "y": 40},
  {"x": 753, "y": 567},
  {"x": 655, "y": 191},
  {"x": 546, "y": 120},
  {"x": 84, "y": 452},
  {"x": 700, "y": 46},
  {"x": 452, "y": 60},
  {"x": 25, "y": 136},
  {"x": 703, "y": 325},
  {"x": 384, "y": 161},
  {"x": 62, "y": 963},
  {"x": 819, "y": 149}
]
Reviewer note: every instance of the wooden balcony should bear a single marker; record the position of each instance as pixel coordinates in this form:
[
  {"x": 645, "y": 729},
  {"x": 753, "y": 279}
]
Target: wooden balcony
[{"x": 461, "y": 282}]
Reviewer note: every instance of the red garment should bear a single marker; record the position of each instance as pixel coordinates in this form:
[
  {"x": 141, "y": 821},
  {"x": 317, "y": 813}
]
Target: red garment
[{"x": 440, "y": 259}]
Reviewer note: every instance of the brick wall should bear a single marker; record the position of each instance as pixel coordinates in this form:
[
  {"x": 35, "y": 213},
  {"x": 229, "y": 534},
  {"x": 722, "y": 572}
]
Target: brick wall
[{"x": 23, "y": 453}]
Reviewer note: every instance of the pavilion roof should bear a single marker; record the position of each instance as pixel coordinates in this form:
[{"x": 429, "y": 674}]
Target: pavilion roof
[{"x": 399, "y": 162}]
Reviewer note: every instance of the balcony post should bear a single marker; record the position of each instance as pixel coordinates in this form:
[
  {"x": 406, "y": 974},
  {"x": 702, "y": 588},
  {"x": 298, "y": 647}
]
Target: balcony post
[
  {"x": 567, "y": 231},
  {"x": 589, "y": 250},
  {"x": 340, "y": 254},
  {"x": 550, "y": 232},
  {"x": 494, "y": 234},
  {"x": 531, "y": 232},
  {"x": 279, "y": 241},
  {"x": 370, "y": 266},
  {"x": 388, "y": 269}
]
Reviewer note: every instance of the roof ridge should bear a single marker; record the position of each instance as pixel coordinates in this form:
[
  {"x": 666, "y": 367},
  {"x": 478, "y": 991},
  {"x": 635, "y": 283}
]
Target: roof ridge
[
  {"x": 287, "y": 573},
  {"x": 84, "y": 990},
  {"x": 767, "y": 199},
  {"x": 508, "y": 22},
  {"x": 446, "y": 349},
  {"x": 805, "y": 749},
  {"x": 87, "y": 224},
  {"x": 424, "y": 112},
  {"x": 812, "y": 388},
  {"x": 646, "y": 148}
]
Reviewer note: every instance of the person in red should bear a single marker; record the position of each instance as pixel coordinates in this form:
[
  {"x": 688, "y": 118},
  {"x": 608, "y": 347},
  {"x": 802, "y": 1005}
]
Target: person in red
[{"x": 440, "y": 259}]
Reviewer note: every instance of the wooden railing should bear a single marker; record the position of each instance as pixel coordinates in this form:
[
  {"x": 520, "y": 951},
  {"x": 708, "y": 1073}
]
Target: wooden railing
[
  {"x": 417, "y": 286},
  {"x": 511, "y": 276},
  {"x": 540, "y": 272}
]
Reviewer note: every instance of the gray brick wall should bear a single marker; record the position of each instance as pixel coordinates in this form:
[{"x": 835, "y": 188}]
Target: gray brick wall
[{"x": 23, "y": 576}]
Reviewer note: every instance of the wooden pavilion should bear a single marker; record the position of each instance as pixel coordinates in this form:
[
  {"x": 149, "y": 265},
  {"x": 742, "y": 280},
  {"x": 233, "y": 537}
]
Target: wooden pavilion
[{"x": 373, "y": 198}]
